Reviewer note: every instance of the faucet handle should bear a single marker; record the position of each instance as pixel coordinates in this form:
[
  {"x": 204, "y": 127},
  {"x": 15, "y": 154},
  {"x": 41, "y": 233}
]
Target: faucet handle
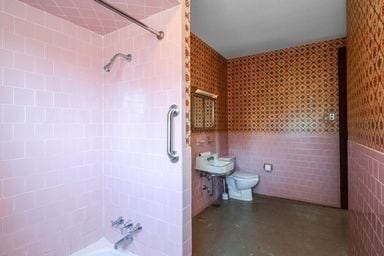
[
  {"x": 117, "y": 222},
  {"x": 136, "y": 228},
  {"x": 127, "y": 226}
]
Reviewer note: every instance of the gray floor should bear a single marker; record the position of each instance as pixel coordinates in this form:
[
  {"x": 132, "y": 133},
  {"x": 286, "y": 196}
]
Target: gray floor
[{"x": 270, "y": 227}]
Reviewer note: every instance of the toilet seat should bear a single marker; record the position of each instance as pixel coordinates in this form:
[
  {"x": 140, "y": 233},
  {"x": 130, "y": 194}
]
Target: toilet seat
[{"x": 244, "y": 175}]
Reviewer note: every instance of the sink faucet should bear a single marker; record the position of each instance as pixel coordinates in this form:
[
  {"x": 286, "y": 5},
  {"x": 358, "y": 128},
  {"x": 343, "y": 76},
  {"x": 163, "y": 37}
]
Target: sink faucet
[
  {"x": 210, "y": 158},
  {"x": 130, "y": 230}
]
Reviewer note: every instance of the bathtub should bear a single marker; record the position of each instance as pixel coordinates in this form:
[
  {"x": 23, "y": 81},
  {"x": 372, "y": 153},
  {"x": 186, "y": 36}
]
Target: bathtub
[{"x": 102, "y": 247}]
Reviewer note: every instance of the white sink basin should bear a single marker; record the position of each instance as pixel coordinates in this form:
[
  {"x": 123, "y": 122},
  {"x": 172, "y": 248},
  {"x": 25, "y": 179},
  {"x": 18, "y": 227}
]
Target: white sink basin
[{"x": 210, "y": 163}]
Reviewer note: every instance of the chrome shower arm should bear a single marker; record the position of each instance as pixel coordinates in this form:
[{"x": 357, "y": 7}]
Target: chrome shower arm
[
  {"x": 128, "y": 57},
  {"x": 108, "y": 66}
]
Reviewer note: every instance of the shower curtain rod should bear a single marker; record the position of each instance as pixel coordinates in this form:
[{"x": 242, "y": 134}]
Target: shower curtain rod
[{"x": 158, "y": 34}]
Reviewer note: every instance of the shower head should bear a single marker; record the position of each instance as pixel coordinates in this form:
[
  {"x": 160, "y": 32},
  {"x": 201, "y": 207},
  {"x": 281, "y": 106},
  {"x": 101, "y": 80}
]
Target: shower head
[{"x": 108, "y": 66}]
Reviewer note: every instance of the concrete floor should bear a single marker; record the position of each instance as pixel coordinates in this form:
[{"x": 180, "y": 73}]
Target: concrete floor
[{"x": 270, "y": 227}]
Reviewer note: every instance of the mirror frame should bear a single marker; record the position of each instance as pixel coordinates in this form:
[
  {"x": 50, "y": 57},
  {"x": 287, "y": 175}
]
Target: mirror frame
[{"x": 204, "y": 97}]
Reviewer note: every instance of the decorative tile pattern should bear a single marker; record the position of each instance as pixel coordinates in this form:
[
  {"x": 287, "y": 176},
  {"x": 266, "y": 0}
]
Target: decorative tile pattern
[
  {"x": 209, "y": 73},
  {"x": 366, "y": 73},
  {"x": 187, "y": 69},
  {"x": 366, "y": 126},
  {"x": 187, "y": 161},
  {"x": 286, "y": 91},
  {"x": 366, "y": 201},
  {"x": 90, "y": 15},
  {"x": 198, "y": 110}
]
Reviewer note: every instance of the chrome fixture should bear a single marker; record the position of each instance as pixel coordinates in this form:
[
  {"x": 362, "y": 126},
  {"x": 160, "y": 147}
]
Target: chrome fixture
[
  {"x": 128, "y": 230},
  {"x": 127, "y": 225},
  {"x": 117, "y": 222},
  {"x": 158, "y": 34},
  {"x": 172, "y": 154},
  {"x": 107, "y": 67}
]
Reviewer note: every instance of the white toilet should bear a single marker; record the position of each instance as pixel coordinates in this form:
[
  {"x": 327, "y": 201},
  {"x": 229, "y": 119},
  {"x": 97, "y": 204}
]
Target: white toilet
[{"x": 240, "y": 185}]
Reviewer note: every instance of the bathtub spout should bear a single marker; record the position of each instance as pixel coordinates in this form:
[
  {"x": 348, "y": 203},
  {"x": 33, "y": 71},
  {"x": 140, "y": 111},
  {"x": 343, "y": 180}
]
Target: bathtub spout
[
  {"x": 127, "y": 237},
  {"x": 129, "y": 229}
]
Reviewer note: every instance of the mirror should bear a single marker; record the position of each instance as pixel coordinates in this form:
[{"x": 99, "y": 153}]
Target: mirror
[{"x": 203, "y": 111}]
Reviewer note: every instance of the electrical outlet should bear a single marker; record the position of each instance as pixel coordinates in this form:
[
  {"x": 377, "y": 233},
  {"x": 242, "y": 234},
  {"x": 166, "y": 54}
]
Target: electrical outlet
[
  {"x": 332, "y": 116},
  {"x": 268, "y": 167}
]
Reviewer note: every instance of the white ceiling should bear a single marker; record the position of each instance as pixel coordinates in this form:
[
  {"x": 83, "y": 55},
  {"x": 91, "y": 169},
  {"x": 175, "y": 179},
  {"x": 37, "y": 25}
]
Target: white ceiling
[{"x": 237, "y": 28}]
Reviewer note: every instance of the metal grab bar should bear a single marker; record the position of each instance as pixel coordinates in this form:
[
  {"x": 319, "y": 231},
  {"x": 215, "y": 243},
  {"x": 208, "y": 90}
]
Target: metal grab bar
[
  {"x": 158, "y": 34},
  {"x": 172, "y": 154}
]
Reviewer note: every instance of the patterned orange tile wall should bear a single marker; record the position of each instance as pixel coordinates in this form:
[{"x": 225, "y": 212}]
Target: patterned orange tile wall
[
  {"x": 285, "y": 91},
  {"x": 366, "y": 73},
  {"x": 365, "y": 51},
  {"x": 209, "y": 73}
]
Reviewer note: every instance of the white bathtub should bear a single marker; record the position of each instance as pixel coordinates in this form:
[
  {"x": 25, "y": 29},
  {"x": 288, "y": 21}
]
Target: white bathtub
[{"x": 101, "y": 248}]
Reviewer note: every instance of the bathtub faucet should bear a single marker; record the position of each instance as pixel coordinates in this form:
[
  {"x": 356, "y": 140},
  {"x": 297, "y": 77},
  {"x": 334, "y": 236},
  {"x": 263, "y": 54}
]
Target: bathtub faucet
[
  {"x": 117, "y": 222},
  {"x": 129, "y": 230}
]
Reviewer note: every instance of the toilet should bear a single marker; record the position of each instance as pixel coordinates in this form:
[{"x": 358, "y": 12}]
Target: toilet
[{"x": 240, "y": 185}]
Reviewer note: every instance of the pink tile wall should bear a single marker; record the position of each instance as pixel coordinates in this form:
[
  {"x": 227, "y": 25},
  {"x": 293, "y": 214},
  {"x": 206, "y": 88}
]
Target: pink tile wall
[
  {"x": 140, "y": 181},
  {"x": 92, "y": 16},
  {"x": 305, "y": 167},
  {"x": 366, "y": 201},
  {"x": 50, "y": 133},
  {"x": 215, "y": 142}
]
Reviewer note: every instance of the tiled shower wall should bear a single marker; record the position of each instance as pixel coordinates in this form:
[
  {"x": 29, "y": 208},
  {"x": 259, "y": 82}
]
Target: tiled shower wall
[
  {"x": 366, "y": 127},
  {"x": 140, "y": 181},
  {"x": 50, "y": 133},
  {"x": 209, "y": 73},
  {"x": 278, "y": 107}
]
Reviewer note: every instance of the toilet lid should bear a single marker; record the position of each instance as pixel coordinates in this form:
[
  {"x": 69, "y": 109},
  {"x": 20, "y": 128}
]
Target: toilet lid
[{"x": 244, "y": 175}]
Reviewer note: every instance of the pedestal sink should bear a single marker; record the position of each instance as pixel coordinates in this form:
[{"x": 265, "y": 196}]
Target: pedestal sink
[{"x": 211, "y": 164}]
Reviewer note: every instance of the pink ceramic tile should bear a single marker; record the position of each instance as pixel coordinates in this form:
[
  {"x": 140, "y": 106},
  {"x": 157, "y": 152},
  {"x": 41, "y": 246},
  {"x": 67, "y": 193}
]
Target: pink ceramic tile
[
  {"x": 24, "y": 202},
  {"x": 35, "y": 16},
  {"x": 13, "y": 186},
  {"x": 13, "y": 42},
  {"x": 34, "y": 48},
  {"x": 15, "y": 8},
  {"x": 366, "y": 200},
  {"x": 44, "y": 35},
  {"x": 90, "y": 15},
  {"x": 52, "y": 135},
  {"x": 14, "y": 78},
  {"x": 24, "y": 28},
  {"x": 305, "y": 168},
  {"x": 6, "y": 95},
  {"x": 215, "y": 142},
  {"x": 14, "y": 223},
  {"x": 24, "y": 62},
  {"x": 6, "y": 208},
  {"x": 31, "y": 161},
  {"x": 134, "y": 133},
  {"x": 13, "y": 114},
  {"x": 7, "y": 22},
  {"x": 6, "y": 58}
]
